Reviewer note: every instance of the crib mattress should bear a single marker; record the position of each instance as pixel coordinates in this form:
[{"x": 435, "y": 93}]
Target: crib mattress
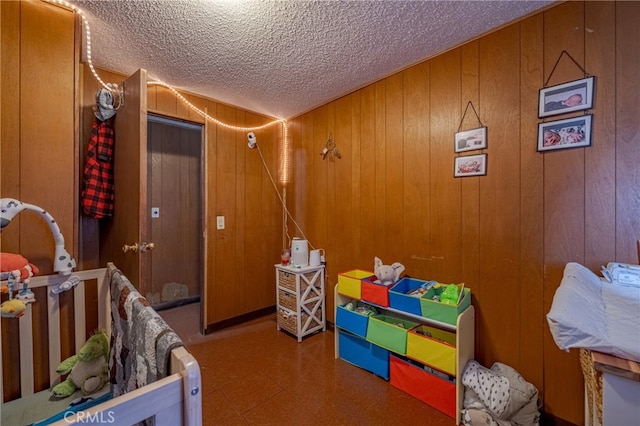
[{"x": 37, "y": 407}]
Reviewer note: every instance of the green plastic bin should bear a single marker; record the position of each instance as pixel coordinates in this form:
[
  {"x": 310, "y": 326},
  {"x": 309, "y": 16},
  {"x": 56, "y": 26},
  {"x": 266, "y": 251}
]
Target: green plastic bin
[
  {"x": 389, "y": 332},
  {"x": 441, "y": 311}
]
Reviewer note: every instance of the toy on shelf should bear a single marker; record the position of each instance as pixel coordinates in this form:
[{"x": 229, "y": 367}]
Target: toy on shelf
[
  {"x": 387, "y": 274},
  {"x": 450, "y": 295}
]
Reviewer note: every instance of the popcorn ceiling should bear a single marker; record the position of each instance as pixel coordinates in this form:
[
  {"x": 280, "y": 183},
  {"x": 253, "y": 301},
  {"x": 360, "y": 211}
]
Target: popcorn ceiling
[{"x": 282, "y": 58}]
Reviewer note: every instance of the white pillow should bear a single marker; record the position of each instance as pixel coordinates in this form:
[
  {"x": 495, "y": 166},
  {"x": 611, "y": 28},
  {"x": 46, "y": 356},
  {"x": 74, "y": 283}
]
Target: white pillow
[{"x": 589, "y": 313}]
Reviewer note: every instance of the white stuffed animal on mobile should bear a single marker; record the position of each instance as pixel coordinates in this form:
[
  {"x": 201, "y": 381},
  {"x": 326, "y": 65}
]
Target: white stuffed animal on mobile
[{"x": 387, "y": 274}]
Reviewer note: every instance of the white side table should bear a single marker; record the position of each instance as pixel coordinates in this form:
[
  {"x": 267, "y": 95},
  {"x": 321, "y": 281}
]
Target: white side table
[{"x": 300, "y": 294}]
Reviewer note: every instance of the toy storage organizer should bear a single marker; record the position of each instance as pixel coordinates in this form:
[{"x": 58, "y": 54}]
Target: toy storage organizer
[
  {"x": 300, "y": 299},
  {"x": 420, "y": 346}
]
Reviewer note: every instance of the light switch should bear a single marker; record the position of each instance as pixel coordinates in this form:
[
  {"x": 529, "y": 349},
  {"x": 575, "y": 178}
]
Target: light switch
[
  {"x": 155, "y": 212},
  {"x": 220, "y": 222}
]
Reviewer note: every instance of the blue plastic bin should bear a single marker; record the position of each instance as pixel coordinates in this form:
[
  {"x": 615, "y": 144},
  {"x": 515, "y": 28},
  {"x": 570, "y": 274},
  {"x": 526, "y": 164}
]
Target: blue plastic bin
[
  {"x": 363, "y": 354},
  {"x": 352, "y": 321},
  {"x": 400, "y": 299}
]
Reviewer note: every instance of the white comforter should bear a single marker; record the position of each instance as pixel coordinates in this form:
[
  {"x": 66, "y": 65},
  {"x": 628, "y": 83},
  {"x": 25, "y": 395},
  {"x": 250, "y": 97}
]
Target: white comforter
[{"x": 589, "y": 313}]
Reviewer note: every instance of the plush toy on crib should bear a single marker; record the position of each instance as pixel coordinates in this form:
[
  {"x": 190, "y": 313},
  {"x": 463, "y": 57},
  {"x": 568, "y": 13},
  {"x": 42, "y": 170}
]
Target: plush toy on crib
[
  {"x": 387, "y": 274},
  {"x": 16, "y": 269},
  {"x": 12, "y": 308},
  {"x": 87, "y": 370}
]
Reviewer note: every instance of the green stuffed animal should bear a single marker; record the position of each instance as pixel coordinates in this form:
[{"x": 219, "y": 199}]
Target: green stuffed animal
[
  {"x": 450, "y": 295},
  {"x": 87, "y": 370}
]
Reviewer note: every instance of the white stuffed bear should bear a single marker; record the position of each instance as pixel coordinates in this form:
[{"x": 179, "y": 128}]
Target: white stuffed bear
[{"x": 387, "y": 274}]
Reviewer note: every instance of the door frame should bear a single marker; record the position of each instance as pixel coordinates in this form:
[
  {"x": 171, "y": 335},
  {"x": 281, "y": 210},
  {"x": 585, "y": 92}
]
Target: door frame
[{"x": 167, "y": 119}]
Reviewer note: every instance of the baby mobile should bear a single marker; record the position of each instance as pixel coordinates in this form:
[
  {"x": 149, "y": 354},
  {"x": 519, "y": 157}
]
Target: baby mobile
[{"x": 16, "y": 270}]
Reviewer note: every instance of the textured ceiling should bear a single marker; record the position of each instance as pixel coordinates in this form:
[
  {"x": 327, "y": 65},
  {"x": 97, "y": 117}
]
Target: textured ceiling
[{"x": 282, "y": 58}]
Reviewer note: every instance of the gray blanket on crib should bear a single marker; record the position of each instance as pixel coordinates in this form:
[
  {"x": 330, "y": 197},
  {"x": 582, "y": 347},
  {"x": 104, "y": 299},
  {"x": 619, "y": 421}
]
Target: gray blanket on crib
[{"x": 141, "y": 341}]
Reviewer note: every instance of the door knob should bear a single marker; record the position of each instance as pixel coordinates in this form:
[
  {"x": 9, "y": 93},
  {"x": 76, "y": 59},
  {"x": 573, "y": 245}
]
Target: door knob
[
  {"x": 133, "y": 247},
  {"x": 146, "y": 246}
]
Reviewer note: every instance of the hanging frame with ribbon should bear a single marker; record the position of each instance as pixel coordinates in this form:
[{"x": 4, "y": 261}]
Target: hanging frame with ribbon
[
  {"x": 472, "y": 139},
  {"x": 572, "y": 96}
]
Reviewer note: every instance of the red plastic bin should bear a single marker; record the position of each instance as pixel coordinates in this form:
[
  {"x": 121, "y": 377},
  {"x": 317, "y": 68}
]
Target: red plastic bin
[
  {"x": 377, "y": 294},
  {"x": 433, "y": 390}
]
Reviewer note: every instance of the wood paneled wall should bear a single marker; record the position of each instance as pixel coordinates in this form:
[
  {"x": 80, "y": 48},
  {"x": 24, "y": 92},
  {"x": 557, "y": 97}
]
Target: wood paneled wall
[
  {"x": 39, "y": 162},
  {"x": 509, "y": 234},
  {"x": 38, "y": 157},
  {"x": 46, "y": 115},
  {"x": 239, "y": 274}
]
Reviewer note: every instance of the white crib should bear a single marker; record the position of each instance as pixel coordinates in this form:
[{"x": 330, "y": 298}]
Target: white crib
[{"x": 172, "y": 400}]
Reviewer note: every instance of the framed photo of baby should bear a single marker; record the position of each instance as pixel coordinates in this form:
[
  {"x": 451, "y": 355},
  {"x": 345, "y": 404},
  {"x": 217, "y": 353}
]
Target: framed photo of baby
[
  {"x": 567, "y": 97},
  {"x": 470, "y": 165},
  {"x": 572, "y": 132}
]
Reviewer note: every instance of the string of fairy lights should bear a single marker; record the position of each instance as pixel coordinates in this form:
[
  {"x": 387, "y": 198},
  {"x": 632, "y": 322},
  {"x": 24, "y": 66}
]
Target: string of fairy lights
[{"x": 284, "y": 163}]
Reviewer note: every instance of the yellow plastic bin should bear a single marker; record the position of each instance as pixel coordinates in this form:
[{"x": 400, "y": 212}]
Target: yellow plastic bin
[
  {"x": 434, "y": 347},
  {"x": 349, "y": 283}
]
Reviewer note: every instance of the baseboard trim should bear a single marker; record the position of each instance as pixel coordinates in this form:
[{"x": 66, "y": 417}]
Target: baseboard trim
[
  {"x": 548, "y": 419},
  {"x": 229, "y": 322},
  {"x": 175, "y": 303}
]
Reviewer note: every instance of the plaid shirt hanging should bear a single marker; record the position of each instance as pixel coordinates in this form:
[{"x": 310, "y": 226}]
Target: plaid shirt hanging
[{"x": 98, "y": 192}]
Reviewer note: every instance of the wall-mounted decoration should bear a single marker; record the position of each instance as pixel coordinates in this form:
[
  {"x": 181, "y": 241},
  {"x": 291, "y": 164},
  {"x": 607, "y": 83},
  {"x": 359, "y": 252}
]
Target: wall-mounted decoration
[
  {"x": 470, "y": 140},
  {"x": 567, "y": 97},
  {"x": 330, "y": 150},
  {"x": 470, "y": 165},
  {"x": 571, "y": 132}
]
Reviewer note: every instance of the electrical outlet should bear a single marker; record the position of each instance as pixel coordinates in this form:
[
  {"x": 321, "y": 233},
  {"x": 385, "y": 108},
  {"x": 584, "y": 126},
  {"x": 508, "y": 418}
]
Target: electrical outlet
[{"x": 220, "y": 222}]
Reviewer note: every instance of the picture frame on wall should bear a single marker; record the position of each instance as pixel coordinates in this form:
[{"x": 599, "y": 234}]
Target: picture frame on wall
[
  {"x": 470, "y": 140},
  {"x": 567, "y": 97},
  {"x": 574, "y": 132},
  {"x": 470, "y": 165}
]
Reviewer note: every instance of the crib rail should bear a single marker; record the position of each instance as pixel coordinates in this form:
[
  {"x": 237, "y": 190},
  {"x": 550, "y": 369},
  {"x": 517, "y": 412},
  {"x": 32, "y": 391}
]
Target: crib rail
[
  {"x": 173, "y": 400},
  {"x": 137, "y": 405},
  {"x": 26, "y": 324}
]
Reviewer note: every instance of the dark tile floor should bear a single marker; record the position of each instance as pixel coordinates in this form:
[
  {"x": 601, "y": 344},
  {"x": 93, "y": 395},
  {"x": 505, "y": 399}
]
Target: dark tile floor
[{"x": 253, "y": 374}]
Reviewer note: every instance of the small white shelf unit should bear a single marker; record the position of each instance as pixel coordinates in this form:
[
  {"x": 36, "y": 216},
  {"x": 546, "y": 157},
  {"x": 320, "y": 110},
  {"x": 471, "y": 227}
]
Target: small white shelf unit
[{"x": 300, "y": 293}]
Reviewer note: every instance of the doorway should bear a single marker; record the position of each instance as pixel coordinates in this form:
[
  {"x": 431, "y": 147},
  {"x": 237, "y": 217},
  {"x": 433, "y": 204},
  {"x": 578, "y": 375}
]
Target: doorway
[{"x": 174, "y": 194}]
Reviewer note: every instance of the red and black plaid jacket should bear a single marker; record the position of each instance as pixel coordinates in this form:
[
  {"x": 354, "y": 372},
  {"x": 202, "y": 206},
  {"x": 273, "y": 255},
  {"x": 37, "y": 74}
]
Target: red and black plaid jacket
[{"x": 98, "y": 191}]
